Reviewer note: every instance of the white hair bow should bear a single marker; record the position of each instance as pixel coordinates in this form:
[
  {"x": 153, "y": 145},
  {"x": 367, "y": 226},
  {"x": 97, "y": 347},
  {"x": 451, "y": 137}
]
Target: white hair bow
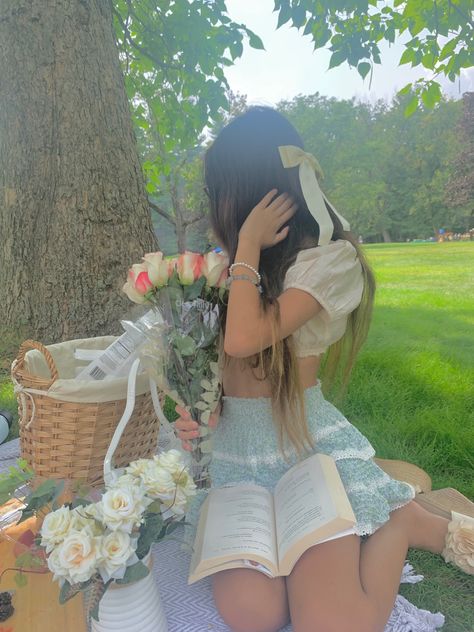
[{"x": 309, "y": 170}]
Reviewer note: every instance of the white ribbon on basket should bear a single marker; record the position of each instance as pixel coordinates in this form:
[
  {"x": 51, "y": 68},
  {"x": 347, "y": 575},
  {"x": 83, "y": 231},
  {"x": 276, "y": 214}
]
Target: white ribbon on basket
[
  {"x": 127, "y": 413},
  {"x": 23, "y": 392}
]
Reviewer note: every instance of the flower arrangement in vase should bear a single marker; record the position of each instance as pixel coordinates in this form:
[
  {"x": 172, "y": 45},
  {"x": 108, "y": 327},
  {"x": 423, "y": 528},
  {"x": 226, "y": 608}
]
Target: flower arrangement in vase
[{"x": 102, "y": 539}]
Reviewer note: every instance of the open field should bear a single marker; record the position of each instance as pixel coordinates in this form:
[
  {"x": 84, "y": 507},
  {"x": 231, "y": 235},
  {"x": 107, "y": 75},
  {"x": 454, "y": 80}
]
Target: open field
[{"x": 412, "y": 390}]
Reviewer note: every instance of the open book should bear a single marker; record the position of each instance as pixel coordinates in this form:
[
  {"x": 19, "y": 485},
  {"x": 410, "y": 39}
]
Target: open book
[{"x": 248, "y": 526}]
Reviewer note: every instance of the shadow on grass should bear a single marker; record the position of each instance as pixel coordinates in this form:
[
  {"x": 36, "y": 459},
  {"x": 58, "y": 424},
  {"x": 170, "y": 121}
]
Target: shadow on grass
[{"x": 412, "y": 393}]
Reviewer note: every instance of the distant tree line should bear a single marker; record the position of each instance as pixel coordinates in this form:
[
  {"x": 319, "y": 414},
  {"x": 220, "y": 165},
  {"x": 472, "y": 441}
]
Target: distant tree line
[{"x": 395, "y": 178}]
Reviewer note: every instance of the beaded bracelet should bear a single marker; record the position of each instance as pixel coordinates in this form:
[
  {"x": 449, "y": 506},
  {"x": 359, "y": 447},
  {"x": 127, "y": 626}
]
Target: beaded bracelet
[
  {"x": 245, "y": 277},
  {"x": 246, "y": 265}
]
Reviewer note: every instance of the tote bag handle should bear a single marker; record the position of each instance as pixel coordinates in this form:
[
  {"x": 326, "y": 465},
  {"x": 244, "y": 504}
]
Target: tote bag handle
[{"x": 171, "y": 441}]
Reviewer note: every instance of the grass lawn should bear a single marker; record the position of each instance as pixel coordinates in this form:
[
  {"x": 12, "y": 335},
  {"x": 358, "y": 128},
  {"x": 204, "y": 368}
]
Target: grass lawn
[{"x": 412, "y": 391}]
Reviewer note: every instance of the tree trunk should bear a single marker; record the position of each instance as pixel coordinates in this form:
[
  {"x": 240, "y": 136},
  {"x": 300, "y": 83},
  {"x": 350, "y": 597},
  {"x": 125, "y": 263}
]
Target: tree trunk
[
  {"x": 386, "y": 236},
  {"x": 73, "y": 210},
  {"x": 179, "y": 225}
]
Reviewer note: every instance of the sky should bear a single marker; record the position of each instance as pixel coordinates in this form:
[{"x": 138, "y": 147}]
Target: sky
[{"x": 289, "y": 66}]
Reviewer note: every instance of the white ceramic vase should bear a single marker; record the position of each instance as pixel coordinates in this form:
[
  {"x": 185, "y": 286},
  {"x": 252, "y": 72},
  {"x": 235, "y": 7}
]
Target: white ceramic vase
[{"x": 132, "y": 607}]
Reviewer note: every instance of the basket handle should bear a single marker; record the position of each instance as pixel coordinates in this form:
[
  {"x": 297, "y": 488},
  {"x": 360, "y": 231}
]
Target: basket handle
[
  {"x": 127, "y": 413},
  {"x": 27, "y": 345}
]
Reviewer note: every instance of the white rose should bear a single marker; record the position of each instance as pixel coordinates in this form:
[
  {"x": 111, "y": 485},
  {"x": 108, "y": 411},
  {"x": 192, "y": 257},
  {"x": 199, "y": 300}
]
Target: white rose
[
  {"x": 157, "y": 481},
  {"x": 55, "y": 527},
  {"x": 127, "y": 479},
  {"x": 118, "y": 552},
  {"x": 158, "y": 268},
  {"x": 459, "y": 543},
  {"x": 122, "y": 507},
  {"x": 215, "y": 266},
  {"x": 136, "y": 467},
  {"x": 178, "y": 502},
  {"x": 78, "y": 555},
  {"x": 85, "y": 519},
  {"x": 93, "y": 512},
  {"x": 171, "y": 460},
  {"x": 54, "y": 565}
]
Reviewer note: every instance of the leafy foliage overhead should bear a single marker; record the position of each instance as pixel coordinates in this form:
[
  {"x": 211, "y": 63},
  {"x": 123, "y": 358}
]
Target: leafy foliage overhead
[
  {"x": 173, "y": 55},
  {"x": 440, "y": 36}
]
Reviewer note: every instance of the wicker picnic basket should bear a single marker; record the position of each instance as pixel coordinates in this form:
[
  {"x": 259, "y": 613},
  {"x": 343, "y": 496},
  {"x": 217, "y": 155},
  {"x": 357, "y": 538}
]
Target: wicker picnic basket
[{"x": 63, "y": 436}]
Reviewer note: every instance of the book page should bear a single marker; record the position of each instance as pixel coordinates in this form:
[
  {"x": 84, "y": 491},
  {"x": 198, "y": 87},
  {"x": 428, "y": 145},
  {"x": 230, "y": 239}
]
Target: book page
[
  {"x": 302, "y": 503},
  {"x": 240, "y": 520}
]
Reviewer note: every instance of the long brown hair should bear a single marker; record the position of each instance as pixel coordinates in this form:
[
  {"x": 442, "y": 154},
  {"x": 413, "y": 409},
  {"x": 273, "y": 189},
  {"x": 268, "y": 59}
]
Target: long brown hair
[{"x": 240, "y": 167}]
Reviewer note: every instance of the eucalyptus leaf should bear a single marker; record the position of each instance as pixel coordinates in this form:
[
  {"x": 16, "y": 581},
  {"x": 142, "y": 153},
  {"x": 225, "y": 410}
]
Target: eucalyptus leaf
[
  {"x": 201, "y": 405},
  {"x": 206, "y": 446},
  {"x": 185, "y": 345}
]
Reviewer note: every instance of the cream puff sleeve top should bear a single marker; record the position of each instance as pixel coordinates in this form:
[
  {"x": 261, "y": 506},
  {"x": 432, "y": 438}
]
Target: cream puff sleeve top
[{"x": 333, "y": 275}]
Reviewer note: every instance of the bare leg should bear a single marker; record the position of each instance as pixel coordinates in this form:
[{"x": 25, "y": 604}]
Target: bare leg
[
  {"x": 339, "y": 585},
  {"x": 383, "y": 554}
]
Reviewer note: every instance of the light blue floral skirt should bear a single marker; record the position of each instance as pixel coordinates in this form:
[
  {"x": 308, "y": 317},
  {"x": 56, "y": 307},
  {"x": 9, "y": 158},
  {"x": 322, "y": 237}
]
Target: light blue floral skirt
[{"x": 245, "y": 449}]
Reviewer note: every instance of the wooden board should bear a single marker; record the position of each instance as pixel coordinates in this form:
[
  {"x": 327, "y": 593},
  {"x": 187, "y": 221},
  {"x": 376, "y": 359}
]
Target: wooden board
[{"x": 37, "y": 607}]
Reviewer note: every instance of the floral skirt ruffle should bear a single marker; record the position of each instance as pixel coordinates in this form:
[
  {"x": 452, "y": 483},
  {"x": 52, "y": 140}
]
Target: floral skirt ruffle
[{"x": 245, "y": 449}]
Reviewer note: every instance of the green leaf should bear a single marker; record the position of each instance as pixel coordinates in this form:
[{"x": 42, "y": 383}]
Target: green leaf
[
  {"x": 185, "y": 345},
  {"x": 134, "y": 573},
  {"x": 68, "y": 591},
  {"x": 284, "y": 16},
  {"x": 432, "y": 95},
  {"x": 409, "y": 56},
  {"x": 195, "y": 289},
  {"x": 364, "y": 69},
  {"x": 299, "y": 16},
  {"x": 255, "y": 41},
  {"x": 448, "y": 49},
  {"x": 236, "y": 50},
  {"x": 149, "y": 533},
  {"x": 406, "y": 89},
  {"x": 337, "y": 58},
  {"x": 411, "y": 107}
]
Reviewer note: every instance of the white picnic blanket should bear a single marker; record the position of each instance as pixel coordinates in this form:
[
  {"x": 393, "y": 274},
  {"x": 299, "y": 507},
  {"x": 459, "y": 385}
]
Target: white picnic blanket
[{"x": 191, "y": 608}]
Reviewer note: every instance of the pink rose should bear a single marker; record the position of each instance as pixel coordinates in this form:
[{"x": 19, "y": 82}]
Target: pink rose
[
  {"x": 215, "y": 269},
  {"x": 189, "y": 267},
  {"x": 158, "y": 268},
  {"x": 138, "y": 283}
]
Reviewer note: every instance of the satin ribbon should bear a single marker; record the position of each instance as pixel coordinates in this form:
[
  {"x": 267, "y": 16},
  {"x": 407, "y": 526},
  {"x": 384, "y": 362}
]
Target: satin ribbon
[{"x": 309, "y": 170}]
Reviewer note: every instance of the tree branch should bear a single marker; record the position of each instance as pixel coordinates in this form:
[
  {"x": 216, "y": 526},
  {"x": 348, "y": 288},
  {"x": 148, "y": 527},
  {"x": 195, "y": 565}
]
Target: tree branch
[
  {"x": 161, "y": 212},
  {"x": 193, "y": 220},
  {"x": 134, "y": 45}
]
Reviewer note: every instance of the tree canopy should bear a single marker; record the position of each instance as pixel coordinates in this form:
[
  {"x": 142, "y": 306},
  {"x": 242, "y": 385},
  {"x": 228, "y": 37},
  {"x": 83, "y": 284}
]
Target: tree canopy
[{"x": 438, "y": 36}]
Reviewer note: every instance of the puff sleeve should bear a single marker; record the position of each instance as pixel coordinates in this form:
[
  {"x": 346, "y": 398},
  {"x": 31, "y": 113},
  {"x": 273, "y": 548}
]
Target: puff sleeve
[{"x": 332, "y": 274}]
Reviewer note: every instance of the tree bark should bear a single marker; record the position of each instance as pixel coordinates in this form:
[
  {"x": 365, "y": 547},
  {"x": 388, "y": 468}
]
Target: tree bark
[
  {"x": 386, "y": 236},
  {"x": 73, "y": 208}
]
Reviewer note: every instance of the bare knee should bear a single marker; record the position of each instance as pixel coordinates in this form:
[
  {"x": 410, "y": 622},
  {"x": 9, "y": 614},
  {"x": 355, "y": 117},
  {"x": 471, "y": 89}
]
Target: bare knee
[
  {"x": 358, "y": 617},
  {"x": 250, "y": 603}
]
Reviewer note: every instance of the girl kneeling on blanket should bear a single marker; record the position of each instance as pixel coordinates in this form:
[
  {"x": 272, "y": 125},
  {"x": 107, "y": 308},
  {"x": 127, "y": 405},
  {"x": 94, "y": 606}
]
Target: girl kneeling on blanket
[{"x": 301, "y": 286}]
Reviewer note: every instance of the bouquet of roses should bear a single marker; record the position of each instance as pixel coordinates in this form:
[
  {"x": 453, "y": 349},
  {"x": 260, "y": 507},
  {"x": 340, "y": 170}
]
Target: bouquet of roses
[
  {"x": 183, "y": 351},
  {"x": 88, "y": 544}
]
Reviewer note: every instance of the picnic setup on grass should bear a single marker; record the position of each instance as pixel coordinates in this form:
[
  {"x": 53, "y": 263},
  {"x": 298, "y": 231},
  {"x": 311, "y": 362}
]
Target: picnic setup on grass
[{"x": 95, "y": 489}]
